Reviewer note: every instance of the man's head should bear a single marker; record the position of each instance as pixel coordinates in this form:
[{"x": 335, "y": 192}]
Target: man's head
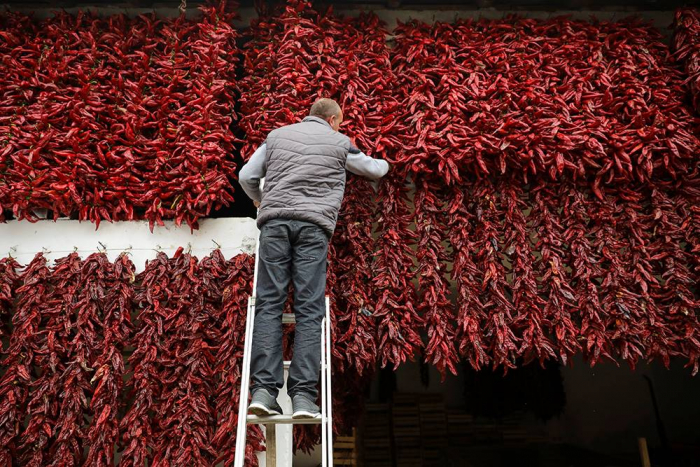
[{"x": 329, "y": 110}]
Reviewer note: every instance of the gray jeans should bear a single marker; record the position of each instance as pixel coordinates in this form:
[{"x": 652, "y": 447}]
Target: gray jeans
[{"x": 290, "y": 250}]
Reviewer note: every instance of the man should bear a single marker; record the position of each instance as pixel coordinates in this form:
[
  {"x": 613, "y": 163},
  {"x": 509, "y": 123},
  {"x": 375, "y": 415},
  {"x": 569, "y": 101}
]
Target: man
[{"x": 304, "y": 168}]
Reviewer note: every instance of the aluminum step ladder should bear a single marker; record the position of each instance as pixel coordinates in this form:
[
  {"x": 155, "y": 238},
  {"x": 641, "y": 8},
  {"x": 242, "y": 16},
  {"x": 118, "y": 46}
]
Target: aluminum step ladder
[{"x": 270, "y": 422}]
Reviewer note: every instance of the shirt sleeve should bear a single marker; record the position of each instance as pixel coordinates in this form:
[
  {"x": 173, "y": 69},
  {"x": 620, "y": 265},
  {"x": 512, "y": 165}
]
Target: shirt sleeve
[
  {"x": 251, "y": 173},
  {"x": 361, "y": 164}
]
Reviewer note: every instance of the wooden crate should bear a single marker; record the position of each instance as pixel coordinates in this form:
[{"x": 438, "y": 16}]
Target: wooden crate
[
  {"x": 433, "y": 427},
  {"x": 345, "y": 449},
  {"x": 376, "y": 436},
  {"x": 405, "y": 419}
]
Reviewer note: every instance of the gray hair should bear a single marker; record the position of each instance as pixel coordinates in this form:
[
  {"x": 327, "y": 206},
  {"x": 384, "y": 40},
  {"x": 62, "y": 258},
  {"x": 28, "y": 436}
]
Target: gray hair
[{"x": 325, "y": 108}]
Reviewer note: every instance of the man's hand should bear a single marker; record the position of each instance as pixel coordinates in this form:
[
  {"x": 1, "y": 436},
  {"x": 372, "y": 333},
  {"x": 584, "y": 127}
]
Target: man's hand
[{"x": 256, "y": 204}]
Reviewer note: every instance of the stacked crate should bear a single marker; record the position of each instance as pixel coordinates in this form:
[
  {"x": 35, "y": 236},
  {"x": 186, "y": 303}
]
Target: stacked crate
[
  {"x": 460, "y": 428},
  {"x": 406, "y": 429},
  {"x": 376, "y": 436},
  {"x": 345, "y": 450},
  {"x": 433, "y": 429}
]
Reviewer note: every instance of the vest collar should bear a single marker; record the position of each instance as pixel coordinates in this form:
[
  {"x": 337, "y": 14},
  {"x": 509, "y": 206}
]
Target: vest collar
[{"x": 311, "y": 118}]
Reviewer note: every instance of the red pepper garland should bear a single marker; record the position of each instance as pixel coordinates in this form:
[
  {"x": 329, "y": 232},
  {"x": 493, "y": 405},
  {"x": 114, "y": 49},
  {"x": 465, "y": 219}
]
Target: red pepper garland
[
  {"x": 43, "y": 440},
  {"x": 8, "y": 284},
  {"x": 118, "y": 119},
  {"x": 185, "y": 415},
  {"x": 82, "y": 306},
  {"x": 585, "y": 263},
  {"x": 107, "y": 381},
  {"x": 22, "y": 355},
  {"x": 434, "y": 305},
  {"x": 533, "y": 320},
  {"x": 670, "y": 219},
  {"x": 495, "y": 289},
  {"x": 179, "y": 366},
  {"x": 353, "y": 245},
  {"x": 686, "y": 48},
  {"x": 636, "y": 217},
  {"x": 395, "y": 300},
  {"x": 145, "y": 387},
  {"x": 555, "y": 281},
  {"x": 619, "y": 302},
  {"x": 471, "y": 317}
]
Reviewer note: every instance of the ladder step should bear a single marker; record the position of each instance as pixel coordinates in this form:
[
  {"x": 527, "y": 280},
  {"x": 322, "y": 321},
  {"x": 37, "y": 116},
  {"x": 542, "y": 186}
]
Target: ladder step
[
  {"x": 288, "y": 363},
  {"x": 282, "y": 419},
  {"x": 288, "y": 318}
]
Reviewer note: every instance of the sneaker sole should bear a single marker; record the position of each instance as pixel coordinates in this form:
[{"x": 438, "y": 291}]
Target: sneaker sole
[
  {"x": 261, "y": 411},
  {"x": 302, "y": 414}
]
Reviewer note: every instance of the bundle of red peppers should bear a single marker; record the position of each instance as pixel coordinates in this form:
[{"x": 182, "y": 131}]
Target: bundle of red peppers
[
  {"x": 117, "y": 118},
  {"x": 562, "y": 161},
  {"x": 686, "y": 47},
  {"x": 109, "y": 364}
]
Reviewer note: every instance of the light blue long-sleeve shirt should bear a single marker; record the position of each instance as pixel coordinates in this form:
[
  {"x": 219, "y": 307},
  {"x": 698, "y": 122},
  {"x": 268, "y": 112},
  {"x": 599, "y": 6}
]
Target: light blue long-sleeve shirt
[{"x": 254, "y": 170}]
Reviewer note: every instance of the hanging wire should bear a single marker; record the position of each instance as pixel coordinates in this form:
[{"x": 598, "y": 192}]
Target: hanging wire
[{"x": 183, "y": 6}]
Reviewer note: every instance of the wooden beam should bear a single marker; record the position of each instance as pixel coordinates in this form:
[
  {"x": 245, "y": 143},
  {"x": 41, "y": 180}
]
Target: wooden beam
[{"x": 644, "y": 452}]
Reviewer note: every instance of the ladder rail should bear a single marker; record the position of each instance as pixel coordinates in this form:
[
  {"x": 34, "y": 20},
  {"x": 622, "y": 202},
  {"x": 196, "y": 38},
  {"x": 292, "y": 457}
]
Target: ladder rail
[
  {"x": 324, "y": 415},
  {"x": 328, "y": 396},
  {"x": 242, "y": 428}
]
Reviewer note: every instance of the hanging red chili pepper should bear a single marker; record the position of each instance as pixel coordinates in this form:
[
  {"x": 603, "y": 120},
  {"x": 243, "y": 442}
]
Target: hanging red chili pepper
[
  {"x": 9, "y": 280},
  {"x": 138, "y": 428},
  {"x": 686, "y": 48},
  {"x": 43, "y": 434},
  {"x": 533, "y": 320},
  {"x": 22, "y": 355},
  {"x": 395, "y": 302},
  {"x": 434, "y": 304},
  {"x": 471, "y": 317},
  {"x": 559, "y": 307},
  {"x": 107, "y": 381}
]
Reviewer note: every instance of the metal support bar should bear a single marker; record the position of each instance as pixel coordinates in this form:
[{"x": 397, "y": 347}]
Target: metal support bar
[
  {"x": 242, "y": 428},
  {"x": 324, "y": 393},
  {"x": 328, "y": 397}
]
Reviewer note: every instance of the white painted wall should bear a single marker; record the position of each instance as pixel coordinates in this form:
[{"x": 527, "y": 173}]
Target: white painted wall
[{"x": 22, "y": 239}]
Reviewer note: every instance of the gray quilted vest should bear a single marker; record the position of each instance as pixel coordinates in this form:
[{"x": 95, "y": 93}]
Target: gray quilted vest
[{"x": 304, "y": 173}]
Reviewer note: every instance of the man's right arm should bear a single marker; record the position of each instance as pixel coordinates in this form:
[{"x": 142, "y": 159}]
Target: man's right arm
[
  {"x": 252, "y": 172},
  {"x": 365, "y": 166}
]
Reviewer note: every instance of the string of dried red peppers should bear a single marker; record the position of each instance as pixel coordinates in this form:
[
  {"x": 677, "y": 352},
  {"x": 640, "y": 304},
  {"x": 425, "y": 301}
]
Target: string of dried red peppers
[{"x": 686, "y": 47}]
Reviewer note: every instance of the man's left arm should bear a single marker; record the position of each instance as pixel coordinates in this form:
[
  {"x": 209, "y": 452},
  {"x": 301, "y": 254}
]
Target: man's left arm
[{"x": 252, "y": 172}]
